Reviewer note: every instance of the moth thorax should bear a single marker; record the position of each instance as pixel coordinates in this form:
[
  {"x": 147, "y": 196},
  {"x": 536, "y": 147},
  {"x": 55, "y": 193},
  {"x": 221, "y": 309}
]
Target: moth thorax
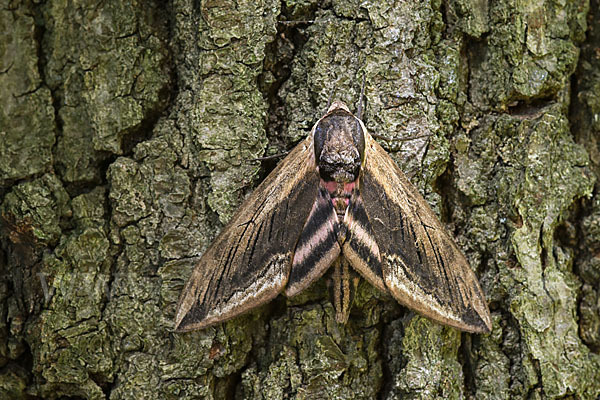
[
  {"x": 339, "y": 162},
  {"x": 339, "y": 146}
]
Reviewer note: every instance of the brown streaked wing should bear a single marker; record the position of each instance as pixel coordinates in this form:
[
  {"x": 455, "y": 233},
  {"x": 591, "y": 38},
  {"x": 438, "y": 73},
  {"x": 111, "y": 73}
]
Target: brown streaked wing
[
  {"x": 422, "y": 266},
  {"x": 317, "y": 247},
  {"x": 360, "y": 248},
  {"x": 248, "y": 264}
]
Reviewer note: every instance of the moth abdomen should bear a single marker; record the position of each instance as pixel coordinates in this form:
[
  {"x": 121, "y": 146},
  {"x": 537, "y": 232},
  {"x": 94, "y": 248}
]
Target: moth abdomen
[{"x": 343, "y": 287}]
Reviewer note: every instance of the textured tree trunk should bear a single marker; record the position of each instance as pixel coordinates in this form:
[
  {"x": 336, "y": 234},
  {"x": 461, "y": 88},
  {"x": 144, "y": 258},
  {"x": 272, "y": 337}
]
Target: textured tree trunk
[{"x": 129, "y": 134}]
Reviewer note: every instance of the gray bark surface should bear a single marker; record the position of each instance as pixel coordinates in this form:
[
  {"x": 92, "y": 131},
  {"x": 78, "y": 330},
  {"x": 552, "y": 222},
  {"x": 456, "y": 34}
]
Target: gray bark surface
[{"x": 129, "y": 133}]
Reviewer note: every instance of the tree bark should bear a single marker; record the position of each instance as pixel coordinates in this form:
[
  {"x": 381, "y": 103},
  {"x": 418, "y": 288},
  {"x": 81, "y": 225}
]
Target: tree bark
[{"x": 130, "y": 132}]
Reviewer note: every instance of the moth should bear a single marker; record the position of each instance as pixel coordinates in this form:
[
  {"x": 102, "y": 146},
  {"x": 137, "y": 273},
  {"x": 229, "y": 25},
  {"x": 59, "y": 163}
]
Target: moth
[{"x": 337, "y": 200}]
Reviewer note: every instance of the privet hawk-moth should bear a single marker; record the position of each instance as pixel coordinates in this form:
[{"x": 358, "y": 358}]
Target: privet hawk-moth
[{"x": 337, "y": 200}]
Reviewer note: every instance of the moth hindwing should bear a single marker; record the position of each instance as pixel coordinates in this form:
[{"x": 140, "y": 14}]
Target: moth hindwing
[{"x": 337, "y": 199}]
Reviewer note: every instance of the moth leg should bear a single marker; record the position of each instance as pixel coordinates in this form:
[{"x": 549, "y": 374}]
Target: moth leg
[{"x": 344, "y": 284}]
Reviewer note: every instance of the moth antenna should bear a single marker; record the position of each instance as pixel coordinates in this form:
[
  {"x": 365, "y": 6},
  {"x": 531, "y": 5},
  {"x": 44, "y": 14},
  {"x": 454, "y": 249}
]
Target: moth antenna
[
  {"x": 264, "y": 158},
  {"x": 359, "y": 108},
  {"x": 297, "y": 22},
  {"x": 404, "y": 139},
  {"x": 329, "y": 100}
]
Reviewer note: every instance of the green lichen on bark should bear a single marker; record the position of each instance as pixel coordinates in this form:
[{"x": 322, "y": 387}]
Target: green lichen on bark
[
  {"x": 423, "y": 361},
  {"x": 107, "y": 65},
  {"x": 585, "y": 117},
  {"x": 528, "y": 53},
  {"x": 70, "y": 334},
  {"x": 27, "y": 130},
  {"x": 311, "y": 356},
  {"x": 226, "y": 112},
  {"x": 539, "y": 286},
  {"x": 39, "y": 203},
  {"x": 168, "y": 199},
  {"x": 128, "y": 138}
]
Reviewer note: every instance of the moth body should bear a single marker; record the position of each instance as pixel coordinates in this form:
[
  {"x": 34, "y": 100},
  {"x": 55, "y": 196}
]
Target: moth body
[
  {"x": 339, "y": 146},
  {"x": 336, "y": 201}
]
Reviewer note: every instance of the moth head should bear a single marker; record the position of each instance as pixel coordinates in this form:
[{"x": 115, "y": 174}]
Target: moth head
[
  {"x": 339, "y": 143},
  {"x": 338, "y": 105}
]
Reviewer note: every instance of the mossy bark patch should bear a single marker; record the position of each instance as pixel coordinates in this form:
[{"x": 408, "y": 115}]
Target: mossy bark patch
[
  {"x": 108, "y": 68},
  {"x": 27, "y": 126},
  {"x": 536, "y": 274},
  {"x": 129, "y": 135}
]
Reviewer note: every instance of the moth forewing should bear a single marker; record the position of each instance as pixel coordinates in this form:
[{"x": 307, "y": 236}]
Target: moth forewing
[
  {"x": 249, "y": 262},
  {"x": 422, "y": 266}
]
